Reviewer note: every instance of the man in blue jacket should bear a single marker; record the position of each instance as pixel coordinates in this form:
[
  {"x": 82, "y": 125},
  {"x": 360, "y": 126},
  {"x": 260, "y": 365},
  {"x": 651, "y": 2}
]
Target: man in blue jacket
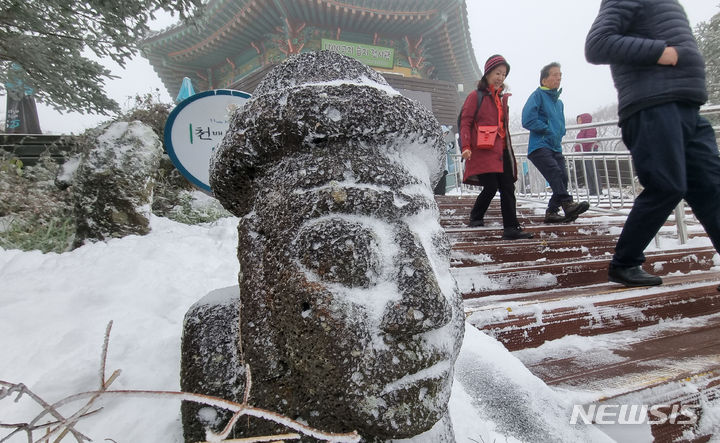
[
  {"x": 659, "y": 74},
  {"x": 544, "y": 117}
]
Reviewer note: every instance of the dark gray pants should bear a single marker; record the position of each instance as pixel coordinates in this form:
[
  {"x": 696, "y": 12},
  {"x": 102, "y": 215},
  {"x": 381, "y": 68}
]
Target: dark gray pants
[{"x": 551, "y": 165}]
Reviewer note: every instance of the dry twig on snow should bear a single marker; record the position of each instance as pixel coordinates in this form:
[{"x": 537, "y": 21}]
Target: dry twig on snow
[{"x": 62, "y": 426}]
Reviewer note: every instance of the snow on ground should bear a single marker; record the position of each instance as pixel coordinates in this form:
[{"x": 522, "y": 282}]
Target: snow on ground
[{"x": 54, "y": 309}]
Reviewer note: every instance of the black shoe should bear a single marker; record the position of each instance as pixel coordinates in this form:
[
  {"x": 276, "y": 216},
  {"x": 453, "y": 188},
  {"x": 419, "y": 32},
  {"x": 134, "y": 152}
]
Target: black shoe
[
  {"x": 571, "y": 219},
  {"x": 719, "y": 288},
  {"x": 572, "y": 209},
  {"x": 476, "y": 223},
  {"x": 515, "y": 233},
  {"x": 553, "y": 217},
  {"x": 632, "y": 276}
]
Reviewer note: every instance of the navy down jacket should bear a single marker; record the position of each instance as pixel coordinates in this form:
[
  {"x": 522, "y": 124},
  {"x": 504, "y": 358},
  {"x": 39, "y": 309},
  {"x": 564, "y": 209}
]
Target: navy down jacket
[{"x": 630, "y": 35}]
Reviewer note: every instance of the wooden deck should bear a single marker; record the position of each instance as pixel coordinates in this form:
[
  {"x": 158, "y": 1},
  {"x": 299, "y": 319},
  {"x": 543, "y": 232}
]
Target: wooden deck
[{"x": 548, "y": 300}]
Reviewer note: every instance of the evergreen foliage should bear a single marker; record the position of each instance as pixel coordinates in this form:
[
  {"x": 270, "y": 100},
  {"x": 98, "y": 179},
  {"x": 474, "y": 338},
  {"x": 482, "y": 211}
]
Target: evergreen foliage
[
  {"x": 50, "y": 41},
  {"x": 708, "y": 36}
]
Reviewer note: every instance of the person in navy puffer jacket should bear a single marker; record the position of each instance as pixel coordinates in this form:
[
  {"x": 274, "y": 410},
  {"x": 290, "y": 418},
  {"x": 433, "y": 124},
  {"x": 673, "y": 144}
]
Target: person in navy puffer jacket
[
  {"x": 544, "y": 117},
  {"x": 659, "y": 74}
]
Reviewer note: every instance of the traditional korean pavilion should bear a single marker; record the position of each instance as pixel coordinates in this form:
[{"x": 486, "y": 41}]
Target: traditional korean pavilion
[{"x": 422, "y": 47}]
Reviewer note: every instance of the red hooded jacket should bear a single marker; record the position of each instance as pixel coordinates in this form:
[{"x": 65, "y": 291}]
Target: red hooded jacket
[
  {"x": 484, "y": 161},
  {"x": 586, "y": 133}
]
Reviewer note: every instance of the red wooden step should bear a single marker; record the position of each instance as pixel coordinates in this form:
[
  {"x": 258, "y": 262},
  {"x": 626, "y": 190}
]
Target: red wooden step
[
  {"x": 472, "y": 254},
  {"x": 548, "y": 300},
  {"x": 532, "y": 277},
  {"x": 632, "y": 360},
  {"x": 533, "y": 323}
]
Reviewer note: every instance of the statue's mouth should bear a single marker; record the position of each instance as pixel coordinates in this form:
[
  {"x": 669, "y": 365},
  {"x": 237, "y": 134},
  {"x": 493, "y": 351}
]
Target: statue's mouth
[{"x": 440, "y": 370}]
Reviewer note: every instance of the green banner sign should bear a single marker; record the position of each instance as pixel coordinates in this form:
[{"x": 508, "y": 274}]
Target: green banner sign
[{"x": 368, "y": 54}]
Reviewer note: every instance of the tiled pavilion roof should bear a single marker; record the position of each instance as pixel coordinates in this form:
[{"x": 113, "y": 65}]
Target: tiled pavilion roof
[{"x": 232, "y": 27}]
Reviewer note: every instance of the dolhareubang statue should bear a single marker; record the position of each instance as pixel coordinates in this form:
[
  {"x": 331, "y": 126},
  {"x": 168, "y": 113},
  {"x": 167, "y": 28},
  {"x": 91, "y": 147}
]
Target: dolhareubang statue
[{"x": 346, "y": 312}]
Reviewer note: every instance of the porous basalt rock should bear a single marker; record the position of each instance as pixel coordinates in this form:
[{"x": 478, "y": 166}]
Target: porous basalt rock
[
  {"x": 349, "y": 318},
  {"x": 210, "y": 347},
  {"x": 112, "y": 188},
  {"x": 292, "y": 114}
]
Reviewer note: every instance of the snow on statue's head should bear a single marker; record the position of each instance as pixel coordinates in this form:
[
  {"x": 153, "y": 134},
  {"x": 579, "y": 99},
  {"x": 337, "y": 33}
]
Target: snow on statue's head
[{"x": 350, "y": 319}]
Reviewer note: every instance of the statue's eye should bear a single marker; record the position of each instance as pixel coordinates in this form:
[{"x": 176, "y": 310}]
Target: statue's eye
[{"x": 340, "y": 251}]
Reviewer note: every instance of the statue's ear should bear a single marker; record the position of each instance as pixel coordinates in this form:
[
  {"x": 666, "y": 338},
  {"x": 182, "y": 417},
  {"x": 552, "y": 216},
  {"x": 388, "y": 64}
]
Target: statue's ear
[
  {"x": 258, "y": 338},
  {"x": 235, "y": 190}
]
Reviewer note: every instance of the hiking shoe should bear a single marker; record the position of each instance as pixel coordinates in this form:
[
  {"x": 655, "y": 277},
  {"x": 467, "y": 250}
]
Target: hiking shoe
[
  {"x": 553, "y": 217},
  {"x": 572, "y": 209},
  {"x": 476, "y": 223},
  {"x": 515, "y": 233},
  {"x": 571, "y": 219},
  {"x": 632, "y": 276}
]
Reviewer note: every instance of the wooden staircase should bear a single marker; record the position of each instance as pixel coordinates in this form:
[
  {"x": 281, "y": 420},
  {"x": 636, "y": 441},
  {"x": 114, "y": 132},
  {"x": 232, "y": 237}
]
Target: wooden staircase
[
  {"x": 548, "y": 300},
  {"x": 28, "y": 148}
]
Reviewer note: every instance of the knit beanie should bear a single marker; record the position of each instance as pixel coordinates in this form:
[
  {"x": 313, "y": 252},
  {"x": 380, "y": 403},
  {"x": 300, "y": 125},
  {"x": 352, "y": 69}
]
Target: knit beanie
[{"x": 494, "y": 61}]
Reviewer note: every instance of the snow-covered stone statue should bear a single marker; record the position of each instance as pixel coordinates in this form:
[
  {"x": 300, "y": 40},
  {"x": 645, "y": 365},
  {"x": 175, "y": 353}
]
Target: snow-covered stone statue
[
  {"x": 349, "y": 318},
  {"x": 112, "y": 187}
]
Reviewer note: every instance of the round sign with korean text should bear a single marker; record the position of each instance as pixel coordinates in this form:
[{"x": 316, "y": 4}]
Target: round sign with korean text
[{"x": 195, "y": 127}]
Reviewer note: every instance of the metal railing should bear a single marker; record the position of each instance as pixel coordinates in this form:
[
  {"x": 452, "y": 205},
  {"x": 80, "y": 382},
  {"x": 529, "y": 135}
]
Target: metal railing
[{"x": 605, "y": 178}]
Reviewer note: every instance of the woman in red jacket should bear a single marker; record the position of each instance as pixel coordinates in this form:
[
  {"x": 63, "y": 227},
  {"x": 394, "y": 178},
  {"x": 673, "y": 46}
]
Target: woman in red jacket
[{"x": 487, "y": 149}]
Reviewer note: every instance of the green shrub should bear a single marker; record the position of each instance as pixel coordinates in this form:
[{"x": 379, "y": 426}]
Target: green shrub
[
  {"x": 12, "y": 164},
  {"x": 34, "y": 213},
  {"x": 193, "y": 210},
  {"x": 150, "y": 110},
  {"x": 55, "y": 235}
]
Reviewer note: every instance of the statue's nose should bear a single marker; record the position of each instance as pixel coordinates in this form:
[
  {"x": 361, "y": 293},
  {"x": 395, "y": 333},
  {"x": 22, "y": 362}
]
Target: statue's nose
[{"x": 422, "y": 306}]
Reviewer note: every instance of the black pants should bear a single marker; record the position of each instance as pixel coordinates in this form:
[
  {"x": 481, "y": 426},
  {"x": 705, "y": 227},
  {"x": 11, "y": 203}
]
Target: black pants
[
  {"x": 491, "y": 183},
  {"x": 551, "y": 165},
  {"x": 675, "y": 154}
]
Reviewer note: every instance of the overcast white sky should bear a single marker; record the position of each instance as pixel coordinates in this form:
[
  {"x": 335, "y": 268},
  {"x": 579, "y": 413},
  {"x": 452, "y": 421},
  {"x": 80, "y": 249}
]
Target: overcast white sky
[
  {"x": 528, "y": 33},
  {"x": 531, "y": 34}
]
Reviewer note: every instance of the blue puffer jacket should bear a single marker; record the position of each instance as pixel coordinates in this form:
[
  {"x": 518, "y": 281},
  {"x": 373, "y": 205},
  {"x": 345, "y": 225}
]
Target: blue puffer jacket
[
  {"x": 544, "y": 117},
  {"x": 630, "y": 35}
]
